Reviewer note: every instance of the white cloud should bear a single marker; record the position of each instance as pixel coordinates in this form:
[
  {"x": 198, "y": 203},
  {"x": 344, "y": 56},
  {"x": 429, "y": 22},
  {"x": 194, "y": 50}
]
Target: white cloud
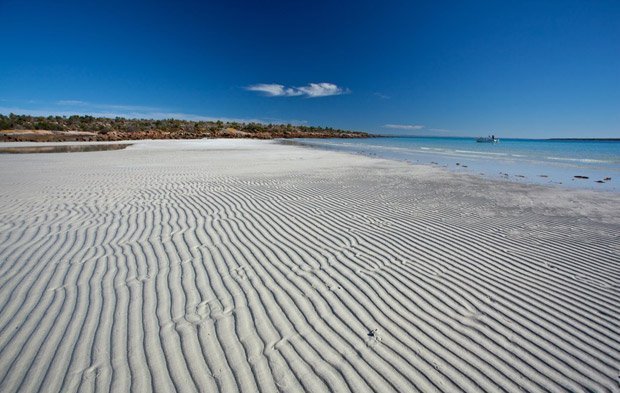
[
  {"x": 274, "y": 90},
  {"x": 311, "y": 90},
  {"x": 321, "y": 90},
  {"x": 407, "y": 127}
]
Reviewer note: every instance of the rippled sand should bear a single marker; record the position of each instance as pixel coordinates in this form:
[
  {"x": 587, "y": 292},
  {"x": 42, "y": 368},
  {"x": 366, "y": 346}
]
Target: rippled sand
[{"x": 252, "y": 266}]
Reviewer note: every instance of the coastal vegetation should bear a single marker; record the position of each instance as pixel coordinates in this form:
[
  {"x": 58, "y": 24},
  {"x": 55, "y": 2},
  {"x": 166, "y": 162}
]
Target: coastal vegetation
[{"x": 89, "y": 128}]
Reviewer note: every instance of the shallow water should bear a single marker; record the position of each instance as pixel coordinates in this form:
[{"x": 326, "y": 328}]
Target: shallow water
[
  {"x": 62, "y": 148},
  {"x": 519, "y": 160}
]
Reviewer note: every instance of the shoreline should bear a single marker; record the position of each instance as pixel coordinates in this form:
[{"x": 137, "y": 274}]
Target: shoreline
[
  {"x": 292, "y": 142},
  {"x": 515, "y": 170},
  {"x": 514, "y": 178},
  {"x": 249, "y": 265}
]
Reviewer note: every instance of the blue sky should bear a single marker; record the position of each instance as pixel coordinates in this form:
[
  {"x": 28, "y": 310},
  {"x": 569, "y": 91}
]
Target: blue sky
[{"x": 517, "y": 69}]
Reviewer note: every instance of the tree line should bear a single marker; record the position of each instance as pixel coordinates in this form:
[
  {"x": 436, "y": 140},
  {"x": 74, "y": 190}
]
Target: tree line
[{"x": 124, "y": 127}]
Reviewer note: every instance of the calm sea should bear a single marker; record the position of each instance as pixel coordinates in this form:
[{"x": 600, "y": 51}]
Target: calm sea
[{"x": 520, "y": 160}]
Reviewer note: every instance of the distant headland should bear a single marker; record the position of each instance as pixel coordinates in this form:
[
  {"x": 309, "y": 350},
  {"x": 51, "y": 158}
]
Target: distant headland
[{"x": 25, "y": 128}]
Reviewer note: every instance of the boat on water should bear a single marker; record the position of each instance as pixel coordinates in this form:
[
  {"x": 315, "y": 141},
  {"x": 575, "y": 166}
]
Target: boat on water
[{"x": 487, "y": 139}]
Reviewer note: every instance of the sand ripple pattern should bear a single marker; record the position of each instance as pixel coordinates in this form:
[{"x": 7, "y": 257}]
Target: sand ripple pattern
[{"x": 158, "y": 271}]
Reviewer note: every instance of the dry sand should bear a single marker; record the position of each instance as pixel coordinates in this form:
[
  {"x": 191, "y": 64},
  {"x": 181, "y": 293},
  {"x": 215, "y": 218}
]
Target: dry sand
[{"x": 252, "y": 266}]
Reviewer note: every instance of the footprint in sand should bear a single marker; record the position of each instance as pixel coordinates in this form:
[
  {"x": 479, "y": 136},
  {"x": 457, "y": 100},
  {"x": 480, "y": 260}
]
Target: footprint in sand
[{"x": 241, "y": 273}]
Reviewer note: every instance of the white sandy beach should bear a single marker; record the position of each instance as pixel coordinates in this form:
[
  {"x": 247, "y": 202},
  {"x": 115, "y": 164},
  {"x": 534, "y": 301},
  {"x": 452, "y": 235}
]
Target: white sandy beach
[{"x": 250, "y": 266}]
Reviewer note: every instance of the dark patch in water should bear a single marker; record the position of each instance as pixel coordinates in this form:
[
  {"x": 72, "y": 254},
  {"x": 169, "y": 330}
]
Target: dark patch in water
[{"x": 63, "y": 148}]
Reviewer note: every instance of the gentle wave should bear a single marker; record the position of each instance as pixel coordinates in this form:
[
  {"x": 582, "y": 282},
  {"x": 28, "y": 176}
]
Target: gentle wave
[
  {"x": 586, "y": 160},
  {"x": 481, "y": 152}
]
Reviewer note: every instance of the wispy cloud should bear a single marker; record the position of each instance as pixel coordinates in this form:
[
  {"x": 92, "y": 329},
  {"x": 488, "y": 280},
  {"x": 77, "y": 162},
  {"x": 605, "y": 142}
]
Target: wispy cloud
[
  {"x": 132, "y": 114},
  {"x": 71, "y": 103},
  {"x": 86, "y": 104},
  {"x": 407, "y": 127},
  {"x": 311, "y": 90},
  {"x": 382, "y": 96}
]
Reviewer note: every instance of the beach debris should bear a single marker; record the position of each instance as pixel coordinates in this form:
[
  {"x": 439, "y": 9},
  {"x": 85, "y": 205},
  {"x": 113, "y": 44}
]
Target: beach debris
[
  {"x": 600, "y": 181},
  {"x": 607, "y": 179},
  {"x": 543, "y": 175},
  {"x": 581, "y": 177},
  {"x": 458, "y": 163},
  {"x": 519, "y": 175},
  {"x": 464, "y": 166},
  {"x": 434, "y": 163},
  {"x": 374, "y": 338}
]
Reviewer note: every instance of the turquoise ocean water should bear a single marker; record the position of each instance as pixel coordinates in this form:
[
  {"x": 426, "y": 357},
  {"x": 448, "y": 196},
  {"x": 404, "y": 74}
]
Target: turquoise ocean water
[{"x": 520, "y": 160}]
